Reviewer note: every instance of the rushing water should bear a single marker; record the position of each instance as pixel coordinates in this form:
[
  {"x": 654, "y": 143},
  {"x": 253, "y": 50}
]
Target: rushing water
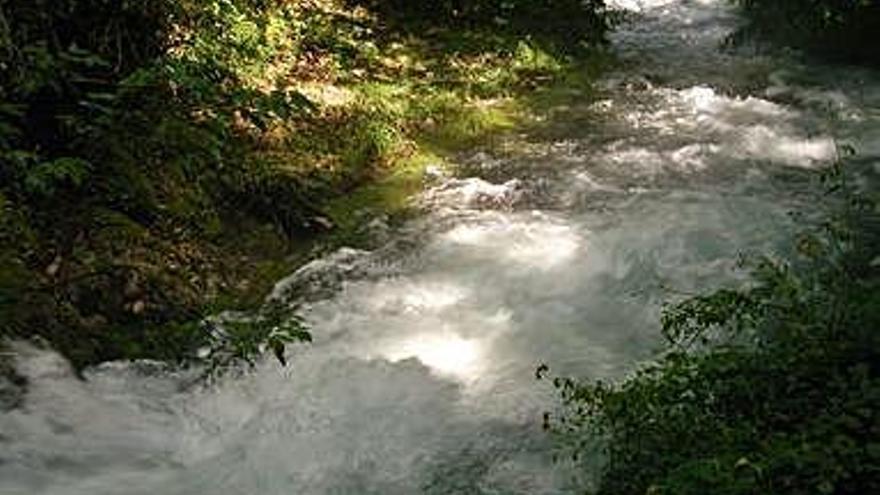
[{"x": 421, "y": 377}]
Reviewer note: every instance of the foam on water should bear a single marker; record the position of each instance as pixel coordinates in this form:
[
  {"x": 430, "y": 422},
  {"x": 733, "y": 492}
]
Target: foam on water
[{"x": 421, "y": 376}]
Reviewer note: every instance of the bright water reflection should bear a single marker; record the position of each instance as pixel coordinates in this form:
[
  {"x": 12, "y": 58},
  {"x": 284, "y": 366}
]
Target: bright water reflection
[
  {"x": 445, "y": 352},
  {"x": 531, "y": 240}
]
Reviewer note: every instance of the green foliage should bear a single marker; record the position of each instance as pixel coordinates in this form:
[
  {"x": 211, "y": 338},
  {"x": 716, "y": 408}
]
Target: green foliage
[
  {"x": 838, "y": 29},
  {"x": 82, "y": 79},
  {"x": 235, "y": 340},
  {"x": 770, "y": 388},
  {"x": 144, "y": 112},
  {"x": 144, "y": 143},
  {"x": 46, "y": 178}
]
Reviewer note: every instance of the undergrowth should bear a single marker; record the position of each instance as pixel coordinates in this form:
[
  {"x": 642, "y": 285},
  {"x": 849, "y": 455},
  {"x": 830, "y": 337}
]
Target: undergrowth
[
  {"x": 161, "y": 161},
  {"x": 769, "y": 388}
]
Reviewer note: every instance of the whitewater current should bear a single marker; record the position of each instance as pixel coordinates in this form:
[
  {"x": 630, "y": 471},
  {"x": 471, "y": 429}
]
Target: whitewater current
[{"x": 421, "y": 376}]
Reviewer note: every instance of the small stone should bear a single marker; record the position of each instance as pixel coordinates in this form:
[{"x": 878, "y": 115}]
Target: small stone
[
  {"x": 323, "y": 222},
  {"x": 434, "y": 172},
  {"x": 53, "y": 267},
  {"x": 138, "y": 307}
]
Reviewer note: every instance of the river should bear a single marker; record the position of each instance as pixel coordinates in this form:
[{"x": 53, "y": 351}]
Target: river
[{"x": 421, "y": 379}]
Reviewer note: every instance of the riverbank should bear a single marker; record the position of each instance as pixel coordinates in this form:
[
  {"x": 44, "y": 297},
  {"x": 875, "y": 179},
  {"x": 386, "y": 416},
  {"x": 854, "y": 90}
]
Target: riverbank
[
  {"x": 767, "y": 387},
  {"x": 120, "y": 239}
]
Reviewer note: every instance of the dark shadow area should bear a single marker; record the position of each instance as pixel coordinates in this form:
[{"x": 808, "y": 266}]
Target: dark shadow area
[{"x": 834, "y": 30}]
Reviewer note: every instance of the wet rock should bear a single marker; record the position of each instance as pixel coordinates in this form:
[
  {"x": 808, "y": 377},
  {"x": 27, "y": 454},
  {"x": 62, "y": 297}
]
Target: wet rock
[
  {"x": 477, "y": 193},
  {"x": 322, "y": 277},
  {"x": 434, "y": 172},
  {"x": 53, "y": 267},
  {"x": 321, "y": 224},
  {"x": 12, "y": 385},
  {"x": 378, "y": 229}
]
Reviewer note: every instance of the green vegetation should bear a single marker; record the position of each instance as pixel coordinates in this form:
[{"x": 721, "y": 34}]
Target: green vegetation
[
  {"x": 162, "y": 160},
  {"x": 769, "y": 388},
  {"x": 237, "y": 339},
  {"x": 842, "y": 30}
]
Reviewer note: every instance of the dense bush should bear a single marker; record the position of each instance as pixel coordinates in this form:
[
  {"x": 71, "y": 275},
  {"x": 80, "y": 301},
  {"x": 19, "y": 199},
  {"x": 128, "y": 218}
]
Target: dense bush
[
  {"x": 772, "y": 388},
  {"x": 81, "y": 80},
  {"x": 844, "y": 30},
  {"x": 128, "y": 131}
]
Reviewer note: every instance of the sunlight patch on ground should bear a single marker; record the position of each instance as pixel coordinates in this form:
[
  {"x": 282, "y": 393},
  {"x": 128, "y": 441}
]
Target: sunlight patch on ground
[{"x": 327, "y": 94}]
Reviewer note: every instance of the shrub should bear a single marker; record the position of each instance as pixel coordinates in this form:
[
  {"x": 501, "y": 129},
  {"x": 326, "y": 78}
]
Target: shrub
[
  {"x": 145, "y": 112},
  {"x": 771, "y": 388}
]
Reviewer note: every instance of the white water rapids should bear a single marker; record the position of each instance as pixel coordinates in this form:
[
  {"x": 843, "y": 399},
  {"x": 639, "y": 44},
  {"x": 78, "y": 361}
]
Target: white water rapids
[{"x": 421, "y": 376}]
